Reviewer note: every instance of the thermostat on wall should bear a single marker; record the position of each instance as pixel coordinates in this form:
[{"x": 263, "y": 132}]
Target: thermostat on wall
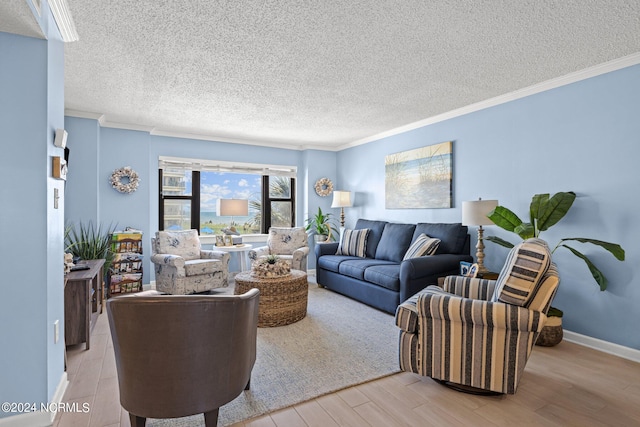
[{"x": 61, "y": 138}]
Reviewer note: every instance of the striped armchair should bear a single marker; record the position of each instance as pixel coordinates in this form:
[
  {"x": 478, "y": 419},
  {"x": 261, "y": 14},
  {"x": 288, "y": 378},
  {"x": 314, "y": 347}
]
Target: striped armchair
[{"x": 480, "y": 333}]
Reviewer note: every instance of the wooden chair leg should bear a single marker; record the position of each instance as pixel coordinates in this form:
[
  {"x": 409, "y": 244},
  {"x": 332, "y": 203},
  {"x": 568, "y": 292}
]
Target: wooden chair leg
[
  {"x": 211, "y": 418},
  {"x": 137, "y": 421}
]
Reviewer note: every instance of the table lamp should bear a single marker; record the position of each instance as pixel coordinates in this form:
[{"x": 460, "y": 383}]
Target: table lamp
[
  {"x": 474, "y": 213},
  {"x": 341, "y": 199},
  {"x": 232, "y": 207}
]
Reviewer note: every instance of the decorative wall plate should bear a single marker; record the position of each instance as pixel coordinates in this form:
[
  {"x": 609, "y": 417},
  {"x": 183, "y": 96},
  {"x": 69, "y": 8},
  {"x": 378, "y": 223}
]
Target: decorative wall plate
[
  {"x": 125, "y": 180},
  {"x": 324, "y": 187}
]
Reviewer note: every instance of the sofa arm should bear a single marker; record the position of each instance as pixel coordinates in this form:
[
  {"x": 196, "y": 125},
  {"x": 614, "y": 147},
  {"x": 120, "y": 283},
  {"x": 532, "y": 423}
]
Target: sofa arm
[
  {"x": 418, "y": 273},
  {"x": 326, "y": 249},
  {"x": 469, "y": 287},
  {"x": 256, "y": 253},
  {"x": 434, "y": 305},
  {"x": 213, "y": 254},
  {"x": 168, "y": 260}
]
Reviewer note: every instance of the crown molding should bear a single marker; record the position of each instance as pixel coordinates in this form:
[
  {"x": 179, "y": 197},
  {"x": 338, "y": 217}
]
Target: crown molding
[
  {"x": 106, "y": 123},
  {"x": 63, "y": 19},
  {"x": 607, "y": 67},
  {"x": 84, "y": 115},
  {"x": 206, "y": 137}
]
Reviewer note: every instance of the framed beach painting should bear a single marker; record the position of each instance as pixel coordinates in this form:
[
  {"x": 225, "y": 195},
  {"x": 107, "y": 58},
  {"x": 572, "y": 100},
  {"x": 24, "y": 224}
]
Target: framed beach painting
[{"x": 420, "y": 178}]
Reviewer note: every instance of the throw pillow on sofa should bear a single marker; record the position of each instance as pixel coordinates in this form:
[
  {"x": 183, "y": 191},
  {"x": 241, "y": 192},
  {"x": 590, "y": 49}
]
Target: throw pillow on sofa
[
  {"x": 424, "y": 245},
  {"x": 353, "y": 242}
]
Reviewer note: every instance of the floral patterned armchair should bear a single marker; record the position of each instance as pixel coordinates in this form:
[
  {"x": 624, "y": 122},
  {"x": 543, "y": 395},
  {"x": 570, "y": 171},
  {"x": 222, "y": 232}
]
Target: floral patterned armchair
[
  {"x": 290, "y": 244},
  {"x": 182, "y": 268}
]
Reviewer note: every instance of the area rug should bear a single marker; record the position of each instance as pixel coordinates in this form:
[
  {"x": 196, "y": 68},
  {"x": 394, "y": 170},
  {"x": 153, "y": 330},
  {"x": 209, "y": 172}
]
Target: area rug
[{"x": 340, "y": 343}]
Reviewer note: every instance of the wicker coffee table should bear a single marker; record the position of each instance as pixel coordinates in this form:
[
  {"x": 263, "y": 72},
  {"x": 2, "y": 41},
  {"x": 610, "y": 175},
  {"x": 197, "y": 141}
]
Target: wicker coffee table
[{"x": 283, "y": 300}]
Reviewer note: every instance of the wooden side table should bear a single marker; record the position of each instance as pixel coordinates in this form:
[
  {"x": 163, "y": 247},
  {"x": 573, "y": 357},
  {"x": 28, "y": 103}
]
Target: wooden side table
[
  {"x": 83, "y": 297},
  {"x": 489, "y": 276}
]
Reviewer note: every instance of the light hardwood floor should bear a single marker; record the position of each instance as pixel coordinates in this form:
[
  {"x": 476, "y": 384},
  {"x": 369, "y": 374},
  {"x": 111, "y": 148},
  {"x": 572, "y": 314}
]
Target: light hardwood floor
[{"x": 567, "y": 385}]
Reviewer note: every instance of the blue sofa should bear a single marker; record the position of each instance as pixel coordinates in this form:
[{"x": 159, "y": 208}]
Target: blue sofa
[{"x": 382, "y": 279}]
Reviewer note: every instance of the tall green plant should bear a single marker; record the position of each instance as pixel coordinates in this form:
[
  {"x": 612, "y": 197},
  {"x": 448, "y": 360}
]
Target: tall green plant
[
  {"x": 544, "y": 212},
  {"x": 321, "y": 224},
  {"x": 88, "y": 241}
]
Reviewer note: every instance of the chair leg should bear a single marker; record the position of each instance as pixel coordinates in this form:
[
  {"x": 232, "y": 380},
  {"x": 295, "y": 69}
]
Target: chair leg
[
  {"x": 211, "y": 418},
  {"x": 248, "y": 384},
  {"x": 137, "y": 421}
]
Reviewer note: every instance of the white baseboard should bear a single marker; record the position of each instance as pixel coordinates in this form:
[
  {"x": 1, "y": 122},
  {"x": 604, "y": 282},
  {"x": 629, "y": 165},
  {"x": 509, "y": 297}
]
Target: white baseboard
[
  {"x": 38, "y": 418},
  {"x": 604, "y": 346}
]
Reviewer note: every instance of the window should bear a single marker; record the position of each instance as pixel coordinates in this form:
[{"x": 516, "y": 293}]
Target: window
[{"x": 191, "y": 189}]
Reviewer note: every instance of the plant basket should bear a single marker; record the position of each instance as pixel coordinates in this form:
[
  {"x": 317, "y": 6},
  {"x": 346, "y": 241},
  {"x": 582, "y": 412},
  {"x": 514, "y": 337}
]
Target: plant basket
[{"x": 551, "y": 333}]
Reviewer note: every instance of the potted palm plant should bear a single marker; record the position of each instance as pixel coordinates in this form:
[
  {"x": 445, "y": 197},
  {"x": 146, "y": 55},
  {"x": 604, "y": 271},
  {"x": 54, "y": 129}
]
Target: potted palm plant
[
  {"x": 544, "y": 212},
  {"x": 322, "y": 226},
  {"x": 88, "y": 241}
]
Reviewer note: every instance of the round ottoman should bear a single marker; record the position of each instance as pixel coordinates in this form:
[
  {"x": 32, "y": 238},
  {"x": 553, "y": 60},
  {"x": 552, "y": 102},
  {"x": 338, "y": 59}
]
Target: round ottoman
[{"x": 283, "y": 300}]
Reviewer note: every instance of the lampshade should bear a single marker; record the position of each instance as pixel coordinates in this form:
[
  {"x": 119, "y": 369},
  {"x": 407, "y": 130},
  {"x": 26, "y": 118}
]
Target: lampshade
[
  {"x": 341, "y": 199},
  {"x": 475, "y": 212},
  {"x": 233, "y": 207}
]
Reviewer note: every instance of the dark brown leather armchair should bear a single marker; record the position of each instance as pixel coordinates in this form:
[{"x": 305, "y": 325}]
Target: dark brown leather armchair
[{"x": 180, "y": 355}]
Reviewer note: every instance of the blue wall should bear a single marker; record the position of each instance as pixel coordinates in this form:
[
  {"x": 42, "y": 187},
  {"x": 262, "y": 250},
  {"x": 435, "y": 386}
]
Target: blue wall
[
  {"x": 91, "y": 198},
  {"x": 32, "y": 294},
  {"x": 582, "y": 137}
]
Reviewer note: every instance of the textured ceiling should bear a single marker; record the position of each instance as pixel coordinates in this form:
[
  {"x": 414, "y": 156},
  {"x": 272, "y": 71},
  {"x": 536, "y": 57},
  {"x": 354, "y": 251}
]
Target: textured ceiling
[
  {"x": 16, "y": 17},
  {"x": 324, "y": 73}
]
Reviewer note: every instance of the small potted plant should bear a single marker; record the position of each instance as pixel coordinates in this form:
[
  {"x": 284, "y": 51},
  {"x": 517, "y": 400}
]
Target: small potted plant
[{"x": 322, "y": 226}]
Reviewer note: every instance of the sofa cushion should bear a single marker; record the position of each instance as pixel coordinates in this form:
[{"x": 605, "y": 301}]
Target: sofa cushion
[
  {"x": 523, "y": 270},
  {"x": 356, "y": 267},
  {"x": 452, "y": 236},
  {"x": 387, "y": 276},
  {"x": 395, "y": 241},
  {"x": 332, "y": 262},
  {"x": 353, "y": 242},
  {"x": 423, "y": 245},
  {"x": 375, "y": 234}
]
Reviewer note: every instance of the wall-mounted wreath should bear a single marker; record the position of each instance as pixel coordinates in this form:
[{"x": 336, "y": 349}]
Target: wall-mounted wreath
[
  {"x": 324, "y": 187},
  {"x": 125, "y": 180}
]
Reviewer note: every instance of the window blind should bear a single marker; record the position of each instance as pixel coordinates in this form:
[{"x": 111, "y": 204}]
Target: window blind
[{"x": 222, "y": 166}]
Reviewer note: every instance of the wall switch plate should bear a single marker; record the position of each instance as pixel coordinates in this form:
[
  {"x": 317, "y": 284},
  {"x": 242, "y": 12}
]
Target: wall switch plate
[{"x": 56, "y": 331}]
